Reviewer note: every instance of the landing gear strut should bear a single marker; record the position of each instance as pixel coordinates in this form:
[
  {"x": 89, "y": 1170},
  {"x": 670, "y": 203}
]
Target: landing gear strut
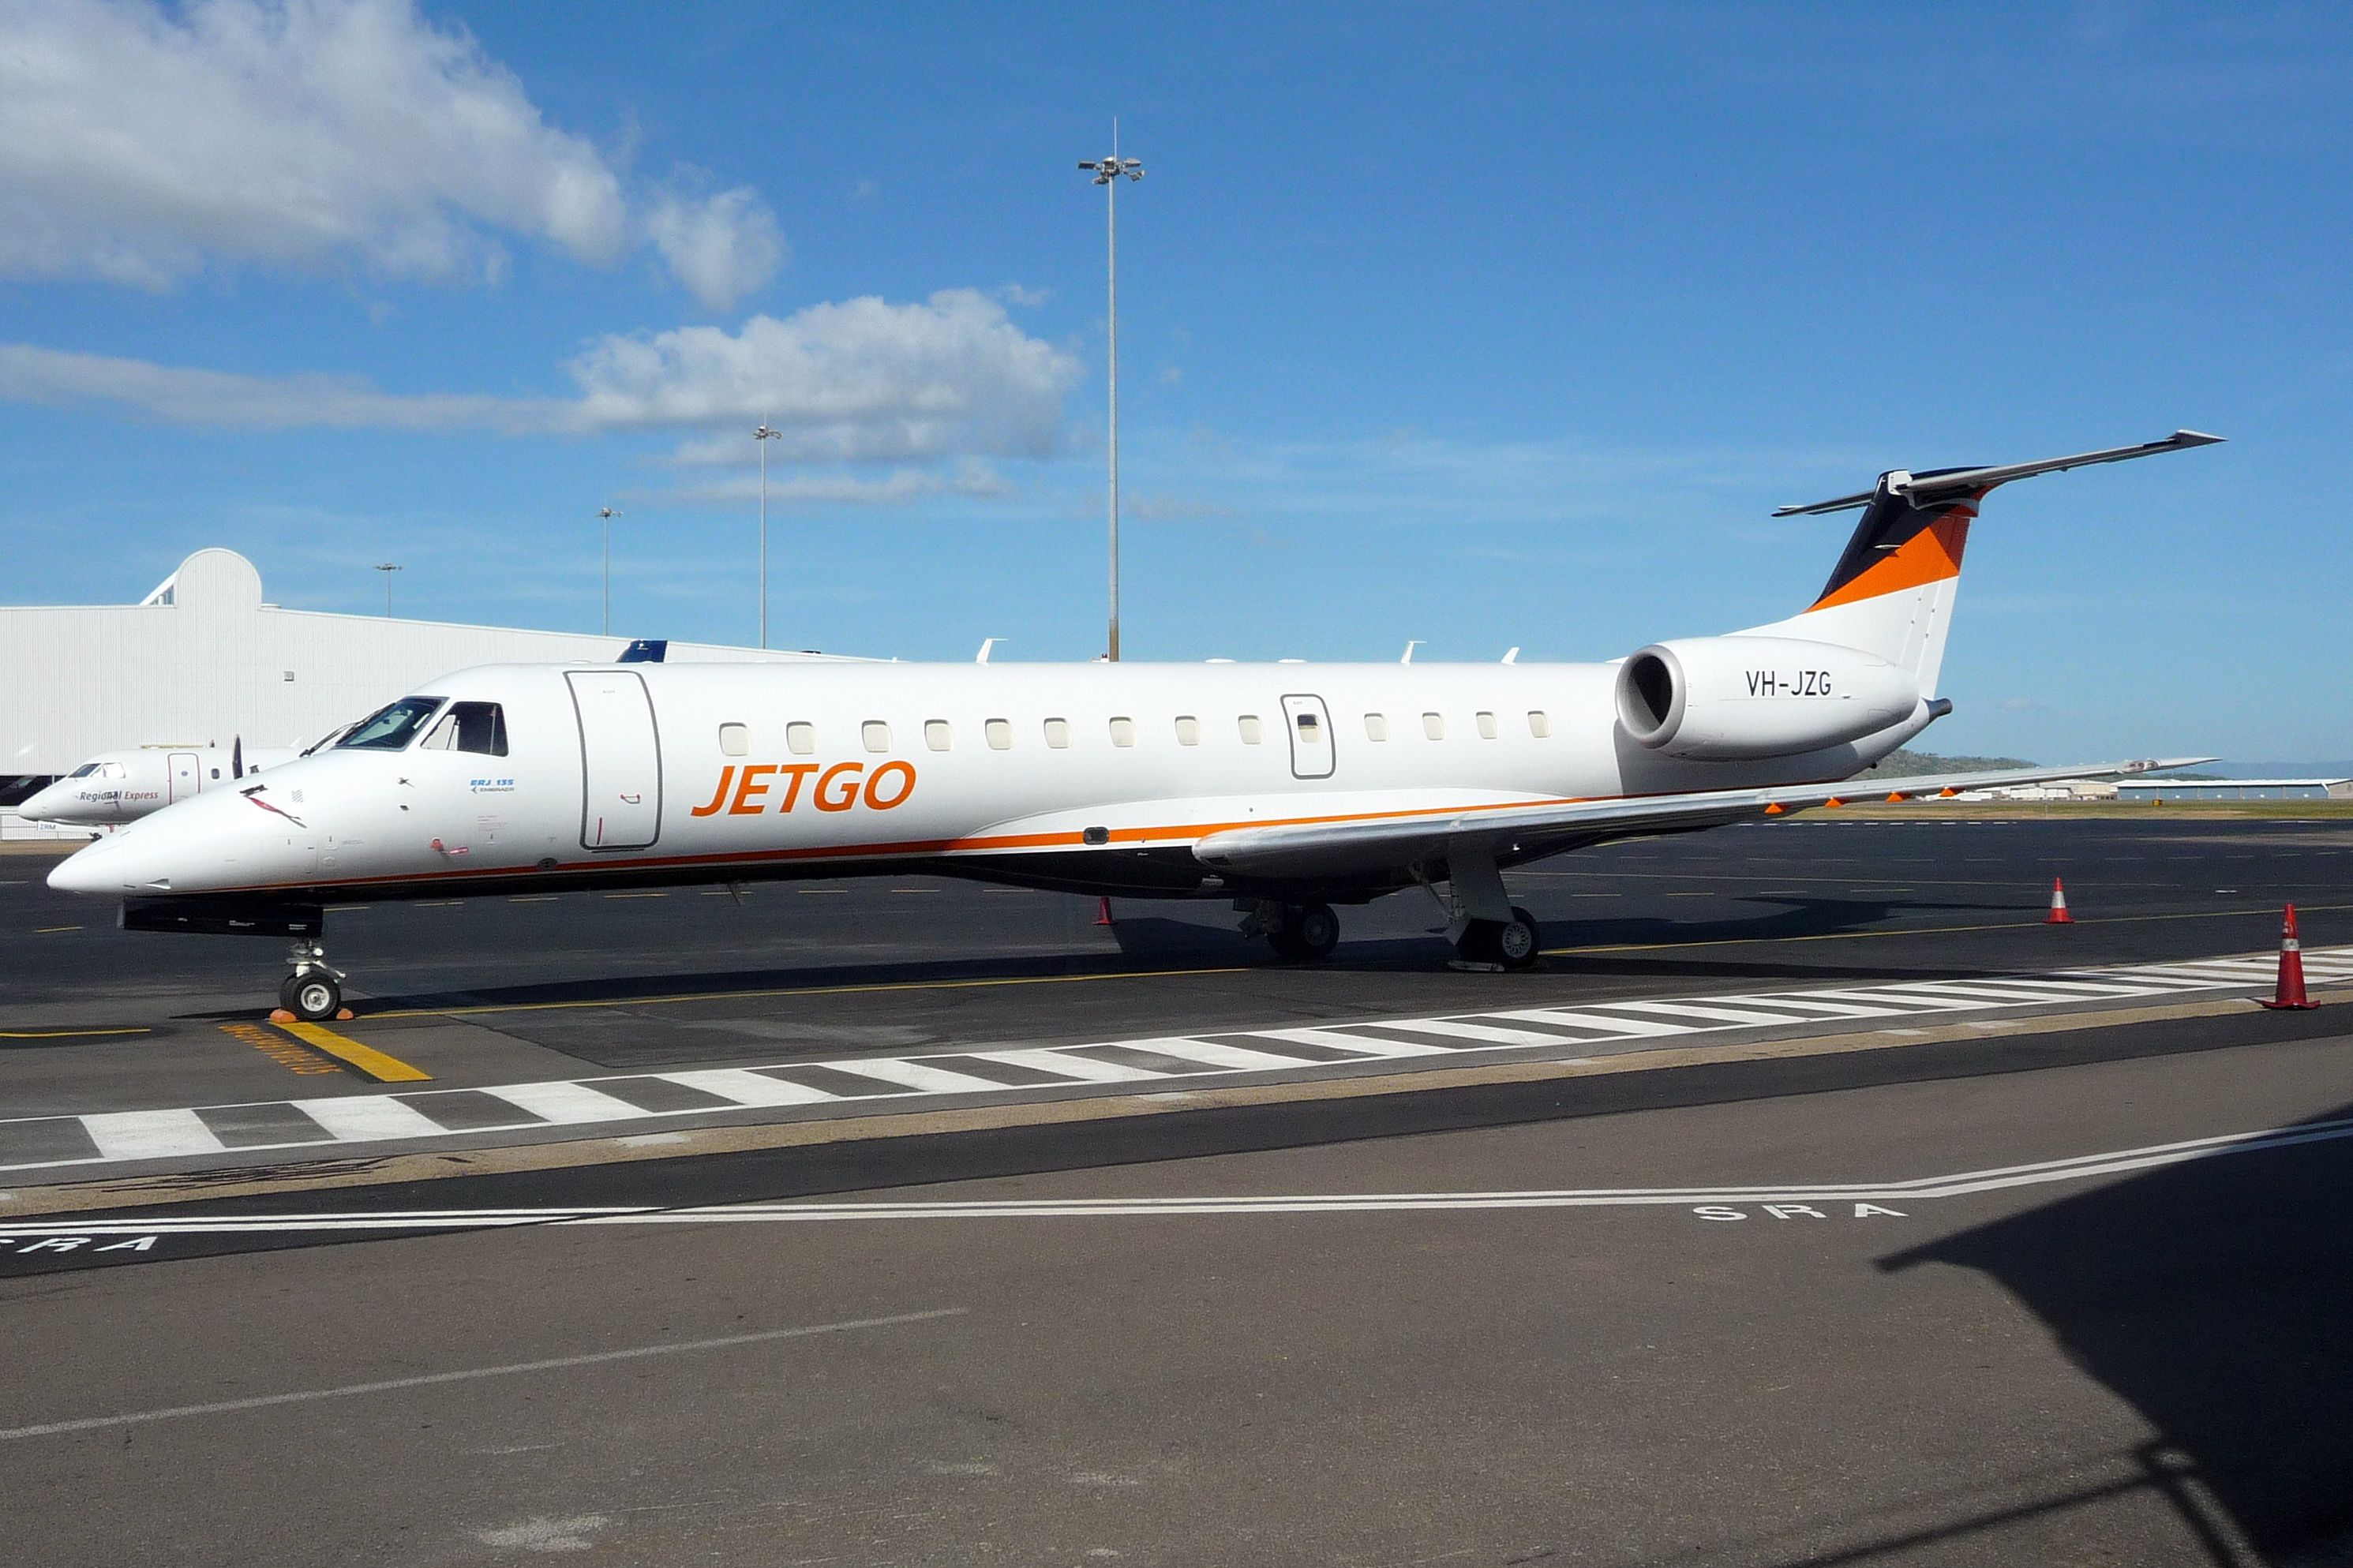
[
  {"x": 1515, "y": 943},
  {"x": 1299, "y": 933},
  {"x": 314, "y": 991},
  {"x": 1489, "y": 930}
]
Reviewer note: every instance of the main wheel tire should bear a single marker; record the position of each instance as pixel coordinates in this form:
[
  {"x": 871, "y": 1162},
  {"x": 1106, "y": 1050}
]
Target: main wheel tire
[
  {"x": 1285, "y": 940},
  {"x": 311, "y": 997},
  {"x": 1518, "y": 943},
  {"x": 1316, "y": 929}
]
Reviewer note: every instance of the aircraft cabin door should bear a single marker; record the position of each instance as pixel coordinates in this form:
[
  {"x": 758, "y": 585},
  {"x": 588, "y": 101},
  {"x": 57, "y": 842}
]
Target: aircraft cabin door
[
  {"x": 184, "y": 778},
  {"x": 620, "y": 759},
  {"x": 1311, "y": 737}
]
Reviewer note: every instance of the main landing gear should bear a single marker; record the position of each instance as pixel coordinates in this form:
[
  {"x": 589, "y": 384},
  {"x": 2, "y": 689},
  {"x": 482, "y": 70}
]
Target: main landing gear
[
  {"x": 1515, "y": 943},
  {"x": 314, "y": 991},
  {"x": 1490, "y": 932},
  {"x": 1300, "y": 932}
]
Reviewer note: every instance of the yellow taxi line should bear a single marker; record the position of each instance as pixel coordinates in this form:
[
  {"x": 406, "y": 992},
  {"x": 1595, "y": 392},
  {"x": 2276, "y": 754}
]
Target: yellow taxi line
[
  {"x": 65, "y": 1034},
  {"x": 797, "y": 991},
  {"x": 367, "y": 1058}
]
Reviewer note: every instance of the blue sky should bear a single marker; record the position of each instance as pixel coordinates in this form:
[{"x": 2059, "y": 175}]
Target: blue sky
[{"x": 1480, "y": 325}]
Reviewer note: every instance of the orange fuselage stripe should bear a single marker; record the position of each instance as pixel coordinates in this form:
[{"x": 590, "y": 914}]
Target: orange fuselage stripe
[{"x": 928, "y": 846}]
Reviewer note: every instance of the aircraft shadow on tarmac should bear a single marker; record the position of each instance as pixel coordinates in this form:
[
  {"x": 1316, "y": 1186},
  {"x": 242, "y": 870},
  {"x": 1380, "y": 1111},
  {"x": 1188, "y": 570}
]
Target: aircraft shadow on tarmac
[
  {"x": 1154, "y": 942},
  {"x": 2211, "y": 1296}
]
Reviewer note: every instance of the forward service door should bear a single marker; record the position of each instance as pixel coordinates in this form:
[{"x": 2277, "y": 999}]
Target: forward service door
[
  {"x": 620, "y": 759},
  {"x": 1311, "y": 737},
  {"x": 184, "y": 779}
]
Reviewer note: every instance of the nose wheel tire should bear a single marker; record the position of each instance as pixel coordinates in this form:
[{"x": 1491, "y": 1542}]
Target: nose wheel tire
[
  {"x": 313, "y": 997},
  {"x": 1307, "y": 931}
]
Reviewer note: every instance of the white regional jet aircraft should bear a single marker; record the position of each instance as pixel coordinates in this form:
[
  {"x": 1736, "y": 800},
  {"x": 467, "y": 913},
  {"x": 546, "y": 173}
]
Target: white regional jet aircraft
[
  {"x": 1284, "y": 787},
  {"x": 116, "y": 787}
]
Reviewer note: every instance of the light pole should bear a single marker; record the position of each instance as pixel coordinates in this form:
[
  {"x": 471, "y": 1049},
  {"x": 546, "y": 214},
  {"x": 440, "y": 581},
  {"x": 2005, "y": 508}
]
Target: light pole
[
  {"x": 609, "y": 514},
  {"x": 1107, "y": 172},
  {"x": 387, "y": 568},
  {"x": 761, "y": 437}
]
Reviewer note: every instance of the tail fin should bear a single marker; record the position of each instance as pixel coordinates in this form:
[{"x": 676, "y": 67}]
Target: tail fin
[{"x": 1892, "y": 593}]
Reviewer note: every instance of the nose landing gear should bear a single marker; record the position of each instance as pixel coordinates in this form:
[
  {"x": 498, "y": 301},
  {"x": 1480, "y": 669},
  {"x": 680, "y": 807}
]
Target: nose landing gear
[{"x": 314, "y": 991}]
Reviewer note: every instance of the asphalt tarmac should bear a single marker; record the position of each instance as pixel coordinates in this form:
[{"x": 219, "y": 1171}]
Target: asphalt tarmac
[
  {"x": 1969, "y": 1296},
  {"x": 500, "y": 989},
  {"x": 1387, "y": 1349}
]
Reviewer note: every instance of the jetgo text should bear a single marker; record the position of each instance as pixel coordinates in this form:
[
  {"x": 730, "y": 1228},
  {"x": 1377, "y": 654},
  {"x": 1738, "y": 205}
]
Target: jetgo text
[{"x": 759, "y": 787}]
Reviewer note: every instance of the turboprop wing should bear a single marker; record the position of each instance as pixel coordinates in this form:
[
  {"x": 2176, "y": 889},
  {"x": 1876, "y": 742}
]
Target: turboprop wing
[{"x": 1516, "y": 833}]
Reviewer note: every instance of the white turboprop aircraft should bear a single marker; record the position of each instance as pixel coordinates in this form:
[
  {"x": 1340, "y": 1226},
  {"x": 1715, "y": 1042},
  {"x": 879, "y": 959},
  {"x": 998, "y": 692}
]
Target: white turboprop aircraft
[
  {"x": 1284, "y": 787},
  {"x": 116, "y": 787}
]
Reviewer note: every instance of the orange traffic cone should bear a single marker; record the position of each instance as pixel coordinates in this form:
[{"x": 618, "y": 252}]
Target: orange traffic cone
[
  {"x": 1103, "y": 913},
  {"x": 2058, "y": 915},
  {"x": 2288, "y": 996}
]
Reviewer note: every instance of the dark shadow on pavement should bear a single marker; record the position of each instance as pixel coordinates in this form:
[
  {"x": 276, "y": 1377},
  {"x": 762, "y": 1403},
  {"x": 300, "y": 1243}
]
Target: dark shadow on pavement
[{"x": 2216, "y": 1297}]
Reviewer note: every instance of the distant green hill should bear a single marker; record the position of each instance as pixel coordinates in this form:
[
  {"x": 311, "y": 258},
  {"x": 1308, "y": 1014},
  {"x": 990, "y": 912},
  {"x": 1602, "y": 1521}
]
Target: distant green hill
[{"x": 1904, "y": 764}]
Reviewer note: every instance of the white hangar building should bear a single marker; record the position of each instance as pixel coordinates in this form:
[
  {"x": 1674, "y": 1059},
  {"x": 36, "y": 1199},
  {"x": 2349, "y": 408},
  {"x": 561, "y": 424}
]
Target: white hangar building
[{"x": 202, "y": 658}]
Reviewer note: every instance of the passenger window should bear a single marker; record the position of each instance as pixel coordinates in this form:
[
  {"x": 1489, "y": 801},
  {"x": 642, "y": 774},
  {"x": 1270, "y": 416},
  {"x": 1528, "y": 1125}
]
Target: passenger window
[
  {"x": 1123, "y": 732},
  {"x": 800, "y": 738},
  {"x": 216, "y": 772},
  {"x": 1188, "y": 730},
  {"x": 1539, "y": 723},
  {"x": 1310, "y": 728},
  {"x": 1487, "y": 726},
  {"x": 1434, "y": 726},
  {"x": 477, "y": 727},
  {"x": 937, "y": 735},
  {"x": 734, "y": 740},
  {"x": 1376, "y": 726},
  {"x": 1057, "y": 732},
  {"x": 1253, "y": 730},
  {"x": 876, "y": 734},
  {"x": 1000, "y": 735}
]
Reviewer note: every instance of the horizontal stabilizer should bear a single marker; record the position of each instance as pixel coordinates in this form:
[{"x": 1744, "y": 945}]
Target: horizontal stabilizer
[{"x": 1921, "y": 489}]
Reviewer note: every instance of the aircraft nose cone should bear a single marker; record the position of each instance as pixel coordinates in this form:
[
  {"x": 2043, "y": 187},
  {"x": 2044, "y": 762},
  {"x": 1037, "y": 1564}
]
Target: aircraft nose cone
[
  {"x": 45, "y": 805},
  {"x": 110, "y": 866}
]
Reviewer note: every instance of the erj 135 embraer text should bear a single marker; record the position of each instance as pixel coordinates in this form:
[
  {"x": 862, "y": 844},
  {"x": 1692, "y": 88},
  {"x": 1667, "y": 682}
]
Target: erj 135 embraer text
[{"x": 1287, "y": 788}]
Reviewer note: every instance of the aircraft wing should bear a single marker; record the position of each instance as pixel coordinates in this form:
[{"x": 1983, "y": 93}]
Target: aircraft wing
[{"x": 1515, "y": 832}]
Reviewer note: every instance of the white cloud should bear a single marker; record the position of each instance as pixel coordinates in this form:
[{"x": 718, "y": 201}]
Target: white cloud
[
  {"x": 722, "y": 248},
  {"x": 971, "y": 478},
  {"x": 864, "y": 381},
  {"x": 860, "y": 381},
  {"x": 140, "y": 145},
  {"x": 186, "y": 396}
]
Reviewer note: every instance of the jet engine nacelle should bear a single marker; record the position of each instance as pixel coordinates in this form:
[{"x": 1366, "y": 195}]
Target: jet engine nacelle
[{"x": 1721, "y": 699}]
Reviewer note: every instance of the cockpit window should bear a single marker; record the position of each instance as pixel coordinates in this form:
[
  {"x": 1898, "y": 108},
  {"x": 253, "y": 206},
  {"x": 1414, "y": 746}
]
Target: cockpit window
[
  {"x": 83, "y": 771},
  {"x": 469, "y": 727},
  {"x": 390, "y": 727}
]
